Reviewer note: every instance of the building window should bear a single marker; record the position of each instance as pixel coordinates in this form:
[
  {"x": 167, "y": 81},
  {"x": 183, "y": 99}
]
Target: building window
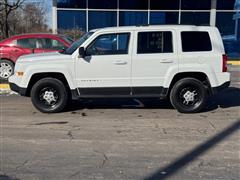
[
  {"x": 195, "y": 18},
  {"x": 164, "y": 18},
  {"x": 71, "y": 4},
  {"x": 130, "y": 18},
  {"x": 230, "y": 31},
  {"x": 102, "y": 4},
  {"x": 99, "y": 19},
  {"x": 133, "y": 4},
  {"x": 164, "y": 4},
  {"x": 225, "y": 23},
  {"x": 68, "y": 19},
  {"x": 154, "y": 42},
  {"x": 226, "y": 4},
  {"x": 195, "y": 41},
  {"x": 196, "y": 5},
  {"x": 109, "y": 44}
]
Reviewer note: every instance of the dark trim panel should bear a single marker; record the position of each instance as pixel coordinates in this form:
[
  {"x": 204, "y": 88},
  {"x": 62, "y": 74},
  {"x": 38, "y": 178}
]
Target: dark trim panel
[
  {"x": 120, "y": 92},
  {"x": 153, "y": 91},
  {"x": 16, "y": 88},
  {"x": 220, "y": 88},
  {"x": 109, "y": 91}
]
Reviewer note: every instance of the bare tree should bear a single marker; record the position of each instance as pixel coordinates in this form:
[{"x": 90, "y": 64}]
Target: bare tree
[
  {"x": 28, "y": 18},
  {"x": 6, "y": 9}
]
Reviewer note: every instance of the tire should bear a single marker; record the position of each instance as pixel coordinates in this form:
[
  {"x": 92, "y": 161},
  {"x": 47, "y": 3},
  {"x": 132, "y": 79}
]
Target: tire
[
  {"x": 188, "y": 95},
  {"x": 6, "y": 69},
  {"x": 49, "y": 95}
]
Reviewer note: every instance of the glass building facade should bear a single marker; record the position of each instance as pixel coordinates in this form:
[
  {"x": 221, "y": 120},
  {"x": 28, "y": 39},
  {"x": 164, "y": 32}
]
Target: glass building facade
[{"x": 92, "y": 14}]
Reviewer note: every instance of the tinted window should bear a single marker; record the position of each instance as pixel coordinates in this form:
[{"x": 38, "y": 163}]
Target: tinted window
[
  {"x": 99, "y": 19},
  {"x": 164, "y": 4},
  {"x": 195, "y": 41},
  {"x": 30, "y": 43},
  {"x": 133, "y": 4},
  {"x": 68, "y": 19},
  {"x": 133, "y": 18},
  {"x": 47, "y": 43},
  {"x": 226, "y": 23},
  {"x": 154, "y": 42},
  {"x": 103, "y": 4},
  {"x": 196, "y": 4},
  {"x": 71, "y": 3},
  {"x": 226, "y": 4},
  {"x": 195, "y": 18},
  {"x": 109, "y": 44},
  {"x": 164, "y": 18}
]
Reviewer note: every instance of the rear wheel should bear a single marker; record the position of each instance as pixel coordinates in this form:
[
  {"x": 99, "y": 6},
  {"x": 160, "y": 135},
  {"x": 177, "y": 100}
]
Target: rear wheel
[
  {"x": 6, "y": 69},
  {"x": 49, "y": 95},
  {"x": 188, "y": 95}
]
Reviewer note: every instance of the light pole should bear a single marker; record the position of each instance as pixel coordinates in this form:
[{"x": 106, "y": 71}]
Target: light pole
[{"x": 54, "y": 16}]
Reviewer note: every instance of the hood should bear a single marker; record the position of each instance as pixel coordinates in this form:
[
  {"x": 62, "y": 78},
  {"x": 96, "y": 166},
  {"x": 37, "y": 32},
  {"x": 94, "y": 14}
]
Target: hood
[{"x": 53, "y": 56}]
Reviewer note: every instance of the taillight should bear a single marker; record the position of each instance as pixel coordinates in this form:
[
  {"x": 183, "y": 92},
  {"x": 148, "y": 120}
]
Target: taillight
[{"x": 224, "y": 63}]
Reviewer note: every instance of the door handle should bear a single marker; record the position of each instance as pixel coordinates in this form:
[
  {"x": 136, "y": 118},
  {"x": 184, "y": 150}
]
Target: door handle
[
  {"x": 166, "y": 61},
  {"x": 120, "y": 62}
]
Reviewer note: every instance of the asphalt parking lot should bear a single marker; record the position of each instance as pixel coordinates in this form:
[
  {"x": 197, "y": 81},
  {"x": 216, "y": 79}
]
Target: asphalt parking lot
[{"x": 121, "y": 139}]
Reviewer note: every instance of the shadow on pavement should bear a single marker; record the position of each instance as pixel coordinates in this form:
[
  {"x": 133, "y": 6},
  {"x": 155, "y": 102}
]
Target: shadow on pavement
[
  {"x": 181, "y": 162},
  {"x": 225, "y": 99},
  {"x": 229, "y": 97},
  {"x": 5, "y": 177}
]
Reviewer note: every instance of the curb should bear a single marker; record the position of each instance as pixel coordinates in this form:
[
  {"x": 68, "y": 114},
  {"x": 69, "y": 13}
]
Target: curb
[
  {"x": 5, "y": 90},
  {"x": 234, "y": 63},
  {"x": 4, "y": 87}
]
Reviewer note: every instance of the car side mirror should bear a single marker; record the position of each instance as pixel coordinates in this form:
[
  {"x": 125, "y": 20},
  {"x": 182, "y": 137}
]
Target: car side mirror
[{"x": 81, "y": 52}]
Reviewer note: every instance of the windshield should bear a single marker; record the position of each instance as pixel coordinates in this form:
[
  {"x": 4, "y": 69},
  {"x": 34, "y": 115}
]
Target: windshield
[
  {"x": 68, "y": 39},
  {"x": 77, "y": 43}
]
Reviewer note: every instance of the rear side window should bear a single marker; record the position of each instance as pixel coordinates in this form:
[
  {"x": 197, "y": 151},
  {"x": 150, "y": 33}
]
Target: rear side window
[
  {"x": 193, "y": 41},
  {"x": 30, "y": 43},
  {"x": 154, "y": 42},
  {"x": 47, "y": 43}
]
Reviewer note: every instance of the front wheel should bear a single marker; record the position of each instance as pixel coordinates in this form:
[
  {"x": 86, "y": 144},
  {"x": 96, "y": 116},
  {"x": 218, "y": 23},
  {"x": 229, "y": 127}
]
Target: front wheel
[
  {"x": 188, "y": 95},
  {"x": 49, "y": 95}
]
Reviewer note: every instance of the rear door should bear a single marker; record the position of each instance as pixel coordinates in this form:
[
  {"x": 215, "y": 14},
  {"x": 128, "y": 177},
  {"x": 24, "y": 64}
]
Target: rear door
[{"x": 152, "y": 58}]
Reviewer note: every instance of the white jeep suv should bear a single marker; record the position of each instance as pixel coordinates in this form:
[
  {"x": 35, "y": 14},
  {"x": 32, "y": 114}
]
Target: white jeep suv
[{"x": 183, "y": 63}]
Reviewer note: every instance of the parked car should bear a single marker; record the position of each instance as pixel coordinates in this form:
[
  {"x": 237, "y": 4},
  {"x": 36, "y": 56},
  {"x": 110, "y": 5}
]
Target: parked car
[
  {"x": 12, "y": 48},
  {"x": 185, "y": 64}
]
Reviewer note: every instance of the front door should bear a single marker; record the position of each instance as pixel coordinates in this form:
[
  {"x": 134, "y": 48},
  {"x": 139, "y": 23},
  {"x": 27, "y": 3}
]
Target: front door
[{"x": 106, "y": 69}]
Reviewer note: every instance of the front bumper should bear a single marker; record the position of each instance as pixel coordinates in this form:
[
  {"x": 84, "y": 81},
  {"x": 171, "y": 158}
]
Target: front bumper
[{"x": 16, "y": 88}]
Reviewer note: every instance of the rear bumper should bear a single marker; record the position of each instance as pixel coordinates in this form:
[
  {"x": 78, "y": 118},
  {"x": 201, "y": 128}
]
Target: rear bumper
[
  {"x": 16, "y": 88},
  {"x": 221, "y": 87}
]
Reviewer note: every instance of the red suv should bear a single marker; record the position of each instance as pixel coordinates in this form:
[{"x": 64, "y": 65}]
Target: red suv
[{"x": 12, "y": 48}]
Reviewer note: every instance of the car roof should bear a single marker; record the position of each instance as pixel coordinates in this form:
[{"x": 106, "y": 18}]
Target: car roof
[
  {"x": 32, "y": 35},
  {"x": 35, "y": 35},
  {"x": 154, "y": 27}
]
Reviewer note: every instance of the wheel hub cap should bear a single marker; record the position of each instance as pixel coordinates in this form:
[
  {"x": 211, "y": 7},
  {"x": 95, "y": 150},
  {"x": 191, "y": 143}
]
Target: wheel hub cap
[
  {"x": 49, "y": 97},
  {"x": 189, "y": 97},
  {"x": 5, "y": 70}
]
